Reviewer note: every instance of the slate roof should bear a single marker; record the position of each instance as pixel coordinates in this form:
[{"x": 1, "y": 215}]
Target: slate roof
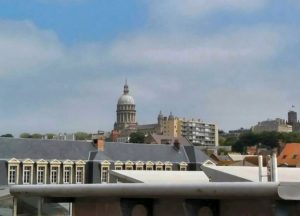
[
  {"x": 148, "y": 152},
  {"x": 147, "y": 126},
  {"x": 44, "y": 149},
  {"x": 182, "y": 140}
]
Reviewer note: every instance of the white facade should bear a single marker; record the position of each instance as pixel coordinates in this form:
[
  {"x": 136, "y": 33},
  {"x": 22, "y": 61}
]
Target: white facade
[{"x": 199, "y": 132}]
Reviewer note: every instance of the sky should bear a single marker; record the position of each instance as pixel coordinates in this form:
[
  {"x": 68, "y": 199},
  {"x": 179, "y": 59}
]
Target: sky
[{"x": 63, "y": 63}]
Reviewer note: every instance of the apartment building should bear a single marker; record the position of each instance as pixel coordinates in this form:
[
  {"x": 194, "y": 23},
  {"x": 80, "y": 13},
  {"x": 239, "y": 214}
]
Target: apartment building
[{"x": 198, "y": 132}]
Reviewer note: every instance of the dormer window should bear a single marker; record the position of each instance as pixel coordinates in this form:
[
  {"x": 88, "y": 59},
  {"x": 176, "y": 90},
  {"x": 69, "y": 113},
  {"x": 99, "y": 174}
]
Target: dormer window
[
  {"x": 27, "y": 171},
  {"x": 13, "y": 171}
]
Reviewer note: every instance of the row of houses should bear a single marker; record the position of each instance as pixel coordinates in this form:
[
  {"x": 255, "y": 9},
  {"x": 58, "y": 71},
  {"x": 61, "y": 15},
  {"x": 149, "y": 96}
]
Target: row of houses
[{"x": 30, "y": 161}]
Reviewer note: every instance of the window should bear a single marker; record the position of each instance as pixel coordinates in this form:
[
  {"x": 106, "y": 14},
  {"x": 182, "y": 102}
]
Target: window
[
  {"x": 118, "y": 168},
  {"x": 139, "y": 165},
  {"x": 41, "y": 171},
  {"x": 13, "y": 171},
  {"x": 54, "y": 175},
  {"x": 12, "y": 177},
  {"x": 104, "y": 174},
  {"x": 80, "y": 172},
  {"x": 118, "y": 165},
  {"x": 159, "y": 165},
  {"x": 67, "y": 174},
  {"x": 105, "y": 171},
  {"x": 79, "y": 175},
  {"x": 284, "y": 157},
  {"x": 294, "y": 156},
  {"x": 41, "y": 174},
  {"x": 129, "y": 165},
  {"x": 168, "y": 166},
  {"x": 27, "y": 175},
  {"x": 183, "y": 166},
  {"x": 149, "y": 165}
]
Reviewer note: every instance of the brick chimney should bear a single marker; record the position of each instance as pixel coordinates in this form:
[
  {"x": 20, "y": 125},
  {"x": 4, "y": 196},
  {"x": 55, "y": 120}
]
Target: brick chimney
[{"x": 99, "y": 141}]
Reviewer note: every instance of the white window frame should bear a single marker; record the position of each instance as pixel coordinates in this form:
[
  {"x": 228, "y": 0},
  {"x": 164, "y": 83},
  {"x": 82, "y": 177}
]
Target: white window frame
[
  {"x": 149, "y": 165},
  {"x": 55, "y": 164},
  {"x": 139, "y": 165},
  {"x": 105, "y": 165},
  {"x": 80, "y": 165},
  {"x": 13, "y": 163},
  {"x": 168, "y": 166},
  {"x": 159, "y": 166},
  {"x": 68, "y": 172},
  {"x": 27, "y": 171},
  {"x": 183, "y": 166},
  {"x": 129, "y": 165},
  {"x": 118, "y": 165},
  {"x": 41, "y": 164}
]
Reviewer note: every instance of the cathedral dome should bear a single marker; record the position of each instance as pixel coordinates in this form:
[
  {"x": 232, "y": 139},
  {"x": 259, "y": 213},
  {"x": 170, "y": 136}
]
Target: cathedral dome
[{"x": 126, "y": 99}]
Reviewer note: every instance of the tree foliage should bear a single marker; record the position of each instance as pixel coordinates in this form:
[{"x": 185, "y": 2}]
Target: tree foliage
[
  {"x": 137, "y": 137},
  {"x": 7, "y": 135},
  {"x": 83, "y": 136},
  {"x": 25, "y": 135},
  {"x": 264, "y": 139},
  {"x": 36, "y": 136}
]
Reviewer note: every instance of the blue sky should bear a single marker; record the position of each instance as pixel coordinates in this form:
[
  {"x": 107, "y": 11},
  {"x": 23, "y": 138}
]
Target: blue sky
[{"x": 63, "y": 62}]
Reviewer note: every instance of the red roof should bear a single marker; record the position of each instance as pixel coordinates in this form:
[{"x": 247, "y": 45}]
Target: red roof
[{"x": 290, "y": 155}]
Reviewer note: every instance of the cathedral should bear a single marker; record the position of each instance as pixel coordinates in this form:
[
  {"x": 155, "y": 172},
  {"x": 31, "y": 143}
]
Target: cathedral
[
  {"x": 126, "y": 113},
  {"x": 126, "y": 117}
]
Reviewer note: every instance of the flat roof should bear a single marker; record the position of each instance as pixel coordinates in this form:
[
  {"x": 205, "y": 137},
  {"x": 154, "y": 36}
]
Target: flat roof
[
  {"x": 161, "y": 177},
  {"x": 232, "y": 173}
]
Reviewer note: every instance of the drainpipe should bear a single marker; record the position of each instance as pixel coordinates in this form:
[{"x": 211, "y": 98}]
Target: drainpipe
[
  {"x": 274, "y": 168},
  {"x": 260, "y": 168}
]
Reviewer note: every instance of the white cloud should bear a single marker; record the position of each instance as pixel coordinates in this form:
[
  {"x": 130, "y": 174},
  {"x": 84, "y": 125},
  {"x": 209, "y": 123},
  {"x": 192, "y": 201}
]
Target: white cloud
[
  {"x": 232, "y": 47},
  {"x": 172, "y": 10},
  {"x": 25, "y": 48}
]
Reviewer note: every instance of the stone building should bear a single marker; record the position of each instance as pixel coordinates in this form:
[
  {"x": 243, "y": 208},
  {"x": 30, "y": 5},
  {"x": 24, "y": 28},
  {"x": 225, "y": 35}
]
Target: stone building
[
  {"x": 126, "y": 112},
  {"x": 293, "y": 121},
  {"x": 32, "y": 161},
  {"x": 277, "y": 125}
]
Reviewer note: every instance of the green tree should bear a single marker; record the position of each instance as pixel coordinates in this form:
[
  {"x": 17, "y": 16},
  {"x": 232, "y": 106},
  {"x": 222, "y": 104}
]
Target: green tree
[
  {"x": 137, "y": 137},
  {"x": 7, "y": 135},
  {"x": 83, "y": 136},
  {"x": 36, "y": 136},
  {"x": 50, "y": 135},
  {"x": 25, "y": 135}
]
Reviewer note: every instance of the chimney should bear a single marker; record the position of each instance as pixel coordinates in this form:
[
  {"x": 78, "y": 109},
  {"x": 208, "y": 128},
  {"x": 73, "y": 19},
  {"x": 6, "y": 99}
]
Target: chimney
[
  {"x": 100, "y": 142},
  {"x": 176, "y": 144}
]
